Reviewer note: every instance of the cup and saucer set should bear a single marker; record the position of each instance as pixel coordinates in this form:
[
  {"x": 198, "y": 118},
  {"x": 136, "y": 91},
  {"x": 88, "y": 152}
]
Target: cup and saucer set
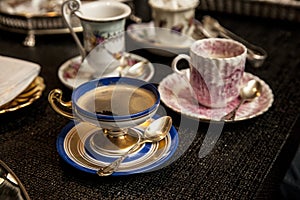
[
  {"x": 215, "y": 87},
  {"x": 103, "y": 44},
  {"x": 111, "y": 115}
]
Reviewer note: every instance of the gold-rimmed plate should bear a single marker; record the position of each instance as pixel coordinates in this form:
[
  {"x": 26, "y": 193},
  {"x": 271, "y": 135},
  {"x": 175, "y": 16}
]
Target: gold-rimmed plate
[{"x": 27, "y": 97}]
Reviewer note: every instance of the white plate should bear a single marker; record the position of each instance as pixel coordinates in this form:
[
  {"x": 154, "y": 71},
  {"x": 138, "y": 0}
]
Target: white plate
[
  {"x": 74, "y": 147},
  {"x": 146, "y": 36},
  {"x": 72, "y": 74},
  {"x": 176, "y": 95}
]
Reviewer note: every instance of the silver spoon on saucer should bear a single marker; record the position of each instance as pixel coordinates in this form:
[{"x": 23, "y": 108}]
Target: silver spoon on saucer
[
  {"x": 247, "y": 93},
  {"x": 155, "y": 132},
  {"x": 136, "y": 70}
]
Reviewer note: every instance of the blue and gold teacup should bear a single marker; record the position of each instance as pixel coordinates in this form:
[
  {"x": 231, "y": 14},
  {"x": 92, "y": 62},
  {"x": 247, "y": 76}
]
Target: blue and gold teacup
[{"x": 114, "y": 104}]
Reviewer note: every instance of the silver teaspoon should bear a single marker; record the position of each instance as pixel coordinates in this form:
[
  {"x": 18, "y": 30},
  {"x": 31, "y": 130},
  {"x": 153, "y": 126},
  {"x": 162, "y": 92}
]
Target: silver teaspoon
[
  {"x": 247, "y": 93},
  {"x": 137, "y": 69},
  {"x": 155, "y": 132}
]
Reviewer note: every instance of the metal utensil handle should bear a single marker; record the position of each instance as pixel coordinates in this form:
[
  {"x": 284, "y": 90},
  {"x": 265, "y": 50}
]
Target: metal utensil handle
[
  {"x": 231, "y": 115},
  {"x": 67, "y": 9},
  {"x": 114, "y": 166},
  {"x": 258, "y": 52},
  {"x": 256, "y": 55}
]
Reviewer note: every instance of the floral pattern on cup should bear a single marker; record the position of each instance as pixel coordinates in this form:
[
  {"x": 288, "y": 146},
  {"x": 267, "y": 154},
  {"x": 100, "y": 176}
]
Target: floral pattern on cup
[
  {"x": 92, "y": 39},
  {"x": 102, "y": 22},
  {"x": 208, "y": 96},
  {"x": 177, "y": 28},
  {"x": 178, "y": 19},
  {"x": 217, "y": 67}
]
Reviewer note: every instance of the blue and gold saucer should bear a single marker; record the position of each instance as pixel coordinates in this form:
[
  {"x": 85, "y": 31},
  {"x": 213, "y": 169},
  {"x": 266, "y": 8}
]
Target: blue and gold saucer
[{"x": 75, "y": 147}]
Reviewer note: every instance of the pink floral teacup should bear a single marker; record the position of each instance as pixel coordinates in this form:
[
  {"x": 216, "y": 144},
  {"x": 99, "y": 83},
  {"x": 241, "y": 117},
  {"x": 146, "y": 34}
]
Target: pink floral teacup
[{"x": 216, "y": 70}]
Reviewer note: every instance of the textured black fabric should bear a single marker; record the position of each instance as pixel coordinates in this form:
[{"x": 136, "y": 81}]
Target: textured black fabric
[
  {"x": 248, "y": 161},
  {"x": 290, "y": 187}
]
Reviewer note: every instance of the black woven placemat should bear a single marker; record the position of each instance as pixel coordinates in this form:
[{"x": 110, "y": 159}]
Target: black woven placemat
[{"x": 244, "y": 163}]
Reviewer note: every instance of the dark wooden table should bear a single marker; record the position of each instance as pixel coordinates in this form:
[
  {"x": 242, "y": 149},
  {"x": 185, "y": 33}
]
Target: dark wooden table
[{"x": 248, "y": 161}]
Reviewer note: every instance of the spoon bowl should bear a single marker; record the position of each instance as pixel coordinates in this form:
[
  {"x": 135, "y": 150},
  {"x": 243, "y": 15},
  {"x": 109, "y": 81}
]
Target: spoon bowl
[
  {"x": 248, "y": 92},
  {"x": 155, "y": 132},
  {"x": 158, "y": 129},
  {"x": 251, "y": 90},
  {"x": 125, "y": 68},
  {"x": 137, "y": 69}
]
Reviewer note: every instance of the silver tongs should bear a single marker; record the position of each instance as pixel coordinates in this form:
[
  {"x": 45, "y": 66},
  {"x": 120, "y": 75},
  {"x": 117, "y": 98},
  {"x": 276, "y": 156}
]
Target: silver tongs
[{"x": 211, "y": 28}]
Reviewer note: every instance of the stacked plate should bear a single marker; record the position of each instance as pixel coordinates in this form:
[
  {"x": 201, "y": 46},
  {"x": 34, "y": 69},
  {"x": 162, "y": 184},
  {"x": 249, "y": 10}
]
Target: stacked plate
[{"x": 20, "y": 84}]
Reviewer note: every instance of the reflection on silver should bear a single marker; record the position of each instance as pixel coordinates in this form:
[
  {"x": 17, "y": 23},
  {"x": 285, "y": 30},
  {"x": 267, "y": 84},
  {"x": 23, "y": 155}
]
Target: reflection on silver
[
  {"x": 28, "y": 18},
  {"x": 10, "y": 185}
]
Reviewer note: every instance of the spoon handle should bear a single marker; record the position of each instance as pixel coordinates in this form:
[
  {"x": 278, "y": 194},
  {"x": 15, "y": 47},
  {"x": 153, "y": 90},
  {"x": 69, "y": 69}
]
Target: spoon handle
[
  {"x": 256, "y": 55},
  {"x": 231, "y": 115},
  {"x": 112, "y": 167}
]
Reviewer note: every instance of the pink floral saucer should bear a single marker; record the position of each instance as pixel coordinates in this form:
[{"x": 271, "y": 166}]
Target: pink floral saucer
[{"x": 176, "y": 94}]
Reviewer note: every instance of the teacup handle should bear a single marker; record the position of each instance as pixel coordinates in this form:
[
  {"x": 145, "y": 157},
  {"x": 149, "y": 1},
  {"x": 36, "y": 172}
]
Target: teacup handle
[
  {"x": 186, "y": 75},
  {"x": 73, "y": 6},
  {"x": 55, "y": 96},
  {"x": 176, "y": 60}
]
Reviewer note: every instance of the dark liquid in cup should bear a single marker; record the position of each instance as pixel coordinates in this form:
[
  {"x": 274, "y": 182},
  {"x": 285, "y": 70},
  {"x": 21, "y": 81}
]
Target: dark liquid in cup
[{"x": 117, "y": 100}]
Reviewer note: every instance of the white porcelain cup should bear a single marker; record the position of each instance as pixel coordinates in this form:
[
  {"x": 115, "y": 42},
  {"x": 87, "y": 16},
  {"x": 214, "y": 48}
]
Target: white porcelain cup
[
  {"x": 216, "y": 70},
  {"x": 103, "y": 23},
  {"x": 175, "y": 15}
]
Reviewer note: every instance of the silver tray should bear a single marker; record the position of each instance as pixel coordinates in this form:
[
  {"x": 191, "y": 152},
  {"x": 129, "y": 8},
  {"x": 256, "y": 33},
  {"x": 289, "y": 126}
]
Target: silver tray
[{"x": 33, "y": 17}]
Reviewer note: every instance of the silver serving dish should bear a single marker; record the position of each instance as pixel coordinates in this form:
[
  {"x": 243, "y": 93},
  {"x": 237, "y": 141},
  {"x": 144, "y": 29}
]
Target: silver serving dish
[{"x": 34, "y": 17}]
